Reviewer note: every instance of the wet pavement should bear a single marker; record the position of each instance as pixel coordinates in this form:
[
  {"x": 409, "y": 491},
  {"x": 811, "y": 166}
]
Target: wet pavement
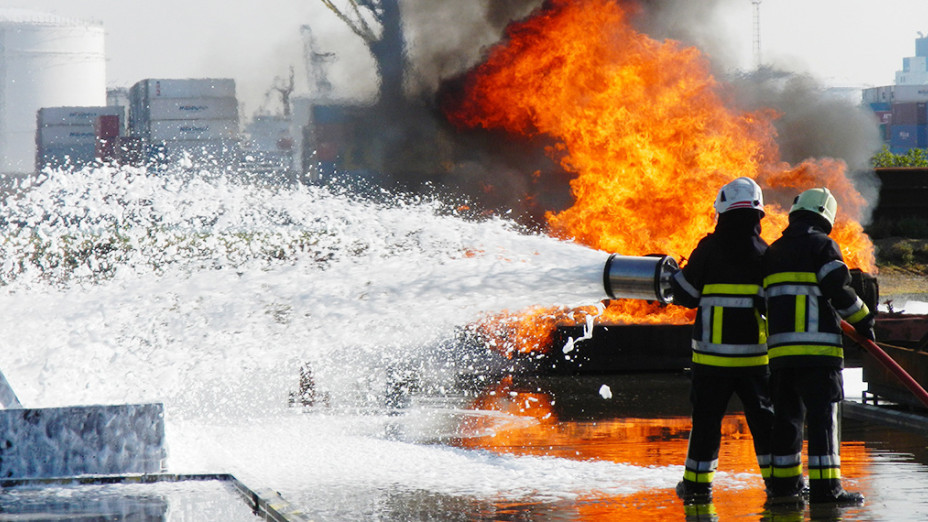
[
  {"x": 635, "y": 424},
  {"x": 646, "y": 423}
]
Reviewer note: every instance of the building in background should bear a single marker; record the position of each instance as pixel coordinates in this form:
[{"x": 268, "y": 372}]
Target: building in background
[{"x": 45, "y": 61}]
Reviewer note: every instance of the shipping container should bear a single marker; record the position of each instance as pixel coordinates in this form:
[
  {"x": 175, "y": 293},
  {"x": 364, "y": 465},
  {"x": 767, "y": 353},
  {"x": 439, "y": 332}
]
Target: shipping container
[
  {"x": 187, "y": 130},
  {"x": 911, "y": 113},
  {"x": 56, "y": 156},
  {"x": 65, "y": 135},
  {"x": 193, "y": 109},
  {"x": 910, "y": 93},
  {"x": 884, "y": 117},
  {"x": 906, "y": 137},
  {"x": 48, "y": 116},
  {"x": 882, "y": 94},
  {"x": 198, "y": 151},
  {"x": 184, "y": 88},
  {"x": 107, "y": 126}
]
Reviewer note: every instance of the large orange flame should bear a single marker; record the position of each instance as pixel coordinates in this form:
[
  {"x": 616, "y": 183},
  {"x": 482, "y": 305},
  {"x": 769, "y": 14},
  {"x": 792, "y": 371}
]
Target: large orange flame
[{"x": 644, "y": 127}]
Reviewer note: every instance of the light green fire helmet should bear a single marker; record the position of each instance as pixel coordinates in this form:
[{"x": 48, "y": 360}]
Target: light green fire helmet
[{"x": 819, "y": 201}]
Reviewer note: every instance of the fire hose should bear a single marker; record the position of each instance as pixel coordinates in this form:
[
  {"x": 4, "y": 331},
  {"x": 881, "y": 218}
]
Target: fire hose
[{"x": 873, "y": 349}]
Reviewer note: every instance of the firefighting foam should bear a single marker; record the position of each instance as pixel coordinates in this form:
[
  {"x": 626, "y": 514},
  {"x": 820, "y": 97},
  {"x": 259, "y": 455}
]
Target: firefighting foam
[
  {"x": 644, "y": 128},
  {"x": 208, "y": 294}
]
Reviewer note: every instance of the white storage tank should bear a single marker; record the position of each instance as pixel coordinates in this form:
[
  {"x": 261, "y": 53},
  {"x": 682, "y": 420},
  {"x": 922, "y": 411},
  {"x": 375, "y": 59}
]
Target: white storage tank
[{"x": 45, "y": 61}]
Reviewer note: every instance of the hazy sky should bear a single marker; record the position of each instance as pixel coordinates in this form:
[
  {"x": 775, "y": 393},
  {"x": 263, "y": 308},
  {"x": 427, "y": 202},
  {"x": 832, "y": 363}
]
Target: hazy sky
[{"x": 842, "y": 42}]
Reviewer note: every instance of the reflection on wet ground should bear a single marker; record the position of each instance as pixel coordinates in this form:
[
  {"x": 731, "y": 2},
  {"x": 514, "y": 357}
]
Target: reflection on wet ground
[
  {"x": 645, "y": 422},
  {"x": 528, "y": 448}
]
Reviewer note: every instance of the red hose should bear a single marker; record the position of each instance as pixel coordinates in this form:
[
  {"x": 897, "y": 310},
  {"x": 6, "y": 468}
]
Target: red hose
[{"x": 887, "y": 361}]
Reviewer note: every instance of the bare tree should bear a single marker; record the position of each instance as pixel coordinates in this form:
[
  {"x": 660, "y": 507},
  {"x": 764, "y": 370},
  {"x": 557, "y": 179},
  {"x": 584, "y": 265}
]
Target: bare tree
[{"x": 379, "y": 24}]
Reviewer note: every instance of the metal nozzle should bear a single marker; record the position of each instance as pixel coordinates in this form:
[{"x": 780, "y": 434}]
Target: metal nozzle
[{"x": 646, "y": 278}]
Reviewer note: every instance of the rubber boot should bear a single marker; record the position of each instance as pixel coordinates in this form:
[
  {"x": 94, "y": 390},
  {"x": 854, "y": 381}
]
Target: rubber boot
[
  {"x": 839, "y": 497},
  {"x": 694, "y": 492}
]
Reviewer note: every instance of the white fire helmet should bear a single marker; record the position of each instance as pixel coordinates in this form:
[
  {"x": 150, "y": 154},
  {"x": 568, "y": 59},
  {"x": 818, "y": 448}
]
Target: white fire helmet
[
  {"x": 819, "y": 201},
  {"x": 740, "y": 193}
]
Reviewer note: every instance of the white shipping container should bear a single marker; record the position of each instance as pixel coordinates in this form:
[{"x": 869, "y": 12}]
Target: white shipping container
[
  {"x": 65, "y": 135},
  {"x": 188, "y": 88},
  {"x": 76, "y": 152},
  {"x": 48, "y": 116},
  {"x": 910, "y": 93},
  {"x": 185, "y": 130},
  {"x": 192, "y": 109},
  {"x": 882, "y": 94},
  {"x": 198, "y": 151}
]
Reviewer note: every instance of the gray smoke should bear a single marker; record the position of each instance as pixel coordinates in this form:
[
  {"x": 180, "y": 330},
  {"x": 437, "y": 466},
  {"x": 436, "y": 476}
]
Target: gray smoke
[
  {"x": 815, "y": 122},
  {"x": 447, "y": 38}
]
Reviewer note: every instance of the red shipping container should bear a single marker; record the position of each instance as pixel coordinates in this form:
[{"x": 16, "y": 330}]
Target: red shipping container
[
  {"x": 910, "y": 113},
  {"x": 107, "y": 126}
]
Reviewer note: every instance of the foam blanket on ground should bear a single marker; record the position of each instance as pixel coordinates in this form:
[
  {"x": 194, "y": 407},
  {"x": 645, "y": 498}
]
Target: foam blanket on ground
[{"x": 81, "y": 440}]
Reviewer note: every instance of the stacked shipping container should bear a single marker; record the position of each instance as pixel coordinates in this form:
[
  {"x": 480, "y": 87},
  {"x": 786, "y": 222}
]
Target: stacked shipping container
[
  {"x": 902, "y": 113},
  {"x": 909, "y": 127},
  {"x": 194, "y": 116},
  {"x": 68, "y": 135}
]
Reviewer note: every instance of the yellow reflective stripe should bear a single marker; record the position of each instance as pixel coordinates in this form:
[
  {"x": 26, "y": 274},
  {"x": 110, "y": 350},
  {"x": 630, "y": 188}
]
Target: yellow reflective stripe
[
  {"x": 806, "y": 349},
  {"x": 761, "y": 328},
  {"x": 702, "y": 478},
  {"x": 731, "y": 289},
  {"x": 790, "y": 277},
  {"x": 859, "y": 314},
  {"x": 731, "y": 362},
  {"x": 765, "y": 472},
  {"x": 793, "y": 471},
  {"x": 699, "y": 511},
  {"x": 826, "y": 473},
  {"x": 800, "y": 325},
  {"x": 717, "y": 324}
]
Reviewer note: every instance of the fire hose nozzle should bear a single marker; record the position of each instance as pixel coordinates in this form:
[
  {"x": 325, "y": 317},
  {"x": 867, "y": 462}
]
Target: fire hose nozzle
[{"x": 639, "y": 277}]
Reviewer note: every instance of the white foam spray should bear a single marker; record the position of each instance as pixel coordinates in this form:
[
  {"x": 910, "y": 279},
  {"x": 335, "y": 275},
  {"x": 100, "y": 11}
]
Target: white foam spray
[{"x": 209, "y": 294}]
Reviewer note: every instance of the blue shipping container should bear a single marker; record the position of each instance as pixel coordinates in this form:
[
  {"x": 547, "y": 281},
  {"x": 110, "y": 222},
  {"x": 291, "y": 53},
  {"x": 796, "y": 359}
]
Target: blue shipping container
[{"x": 905, "y": 137}]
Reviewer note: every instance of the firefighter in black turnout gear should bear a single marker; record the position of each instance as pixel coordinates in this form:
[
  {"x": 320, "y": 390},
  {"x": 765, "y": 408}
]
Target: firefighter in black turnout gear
[
  {"x": 723, "y": 281},
  {"x": 808, "y": 293}
]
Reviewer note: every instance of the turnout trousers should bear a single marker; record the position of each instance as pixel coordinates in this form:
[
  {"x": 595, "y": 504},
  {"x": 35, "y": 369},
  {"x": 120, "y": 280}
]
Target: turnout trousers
[
  {"x": 806, "y": 395},
  {"x": 709, "y": 395}
]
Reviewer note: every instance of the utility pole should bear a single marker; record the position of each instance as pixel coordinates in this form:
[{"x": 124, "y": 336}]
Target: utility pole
[{"x": 757, "y": 58}]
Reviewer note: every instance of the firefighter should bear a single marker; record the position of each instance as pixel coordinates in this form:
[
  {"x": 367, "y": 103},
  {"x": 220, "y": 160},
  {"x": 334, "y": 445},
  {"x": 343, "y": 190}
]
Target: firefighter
[
  {"x": 722, "y": 280},
  {"x": 808, "y": 293}
]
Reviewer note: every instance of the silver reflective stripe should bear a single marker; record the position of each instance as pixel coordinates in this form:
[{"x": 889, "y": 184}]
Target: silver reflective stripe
[
  {"x": 728, "y": 302},
  {"x": 824, "y": 461},
  {"x": 804, "y": 337},
  {"x": 763, "y": 460},
  {"x": 828, "y": 268},
  {"x": 853, "y": 309},
  {"x": 730, "y": 349},
  {"x": 701, "y": 465},
  {"x": 812, "y": 315},
  {"x": 706, "y": 324},
  {"x": 787, "y": 460},
  {"x": 685, "y": 285},
  {"x": 779, "y": 290}
]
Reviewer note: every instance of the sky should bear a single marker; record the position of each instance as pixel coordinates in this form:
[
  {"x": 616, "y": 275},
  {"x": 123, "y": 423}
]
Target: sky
[{"x": 844, "y": 43}]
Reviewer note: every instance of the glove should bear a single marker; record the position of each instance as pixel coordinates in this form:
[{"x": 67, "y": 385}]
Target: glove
[{"x": 864, "y": 327}]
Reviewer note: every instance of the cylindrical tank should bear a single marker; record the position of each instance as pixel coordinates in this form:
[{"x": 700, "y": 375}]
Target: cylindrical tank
[
  {"x": 639, "y": 277},
  {"x": 45, "y": 61}
]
